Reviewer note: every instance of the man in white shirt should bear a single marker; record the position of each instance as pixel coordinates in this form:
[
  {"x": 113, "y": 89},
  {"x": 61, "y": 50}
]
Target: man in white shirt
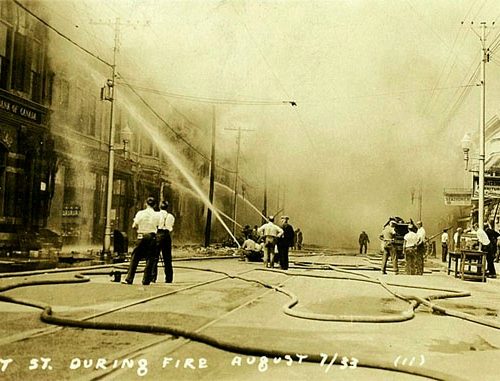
[
  {"x": 457, "y": 237},
  {"x": 388, "y": 235},
  {"x": 444, "y": 245},
  {"x": 146, "y": 222},
  {"x": 270, "y": 232},
  {"x": 414, "y": 264},
  {"x": 421, "y": 239},
  {"x": 164, "y": 239},
  {"x": 251, "y": 250}
]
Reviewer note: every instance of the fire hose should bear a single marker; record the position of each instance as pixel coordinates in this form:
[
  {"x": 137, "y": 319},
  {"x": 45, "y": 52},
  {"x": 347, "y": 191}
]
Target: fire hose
[{"x": 376, "y": 363}]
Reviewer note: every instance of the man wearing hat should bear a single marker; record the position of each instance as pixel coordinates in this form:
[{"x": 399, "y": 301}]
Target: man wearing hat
[
  {"x": 270, "y": 233},
  {"x": 285, "y": 242},
  {"x": 146, "y": 222}
]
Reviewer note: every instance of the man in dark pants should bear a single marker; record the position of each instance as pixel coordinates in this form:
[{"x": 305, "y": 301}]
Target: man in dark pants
[
  {"x": 164, "y": 240},
  {"x": 387, "y": 236},
  {"x": 444, "y": 245},
  {"x": 285, "y": 242},
  {"x": 491, "y": 251},
  {"x": 146, "y": 222},
  {"x": 363, "y": 242}
]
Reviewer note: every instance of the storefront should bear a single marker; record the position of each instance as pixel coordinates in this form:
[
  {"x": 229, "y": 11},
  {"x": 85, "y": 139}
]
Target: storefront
[{"x": 27, "y": 167}]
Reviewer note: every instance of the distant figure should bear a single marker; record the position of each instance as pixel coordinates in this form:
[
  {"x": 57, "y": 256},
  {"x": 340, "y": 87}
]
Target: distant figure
[
  {"x": 457, "y": 238},
  {"x": 146, "y": 222},
  {"x": 251, "y": 250},
  {"x": 285, "y": 242},
  {"x": 387, "y": 236},
  {"x": 270, "y": 233},
  {"x": 444, "y": 245},
  {"x": 164, "y": 241},
  {"x": 299, "y": 238},
  {"x": 363, "y": 242},
  {"x": 414, "y": 263}
]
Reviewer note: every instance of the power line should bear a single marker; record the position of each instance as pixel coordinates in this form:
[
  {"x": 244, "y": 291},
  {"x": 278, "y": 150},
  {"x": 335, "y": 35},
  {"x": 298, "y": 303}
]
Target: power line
[
  {"x": 216, "y": 100},
  {"x": 61, "y": 34},
  {"x": 431, "y": 98},
  {"x": 463, "y": 95},
  {"x": 179, "y": 136}
]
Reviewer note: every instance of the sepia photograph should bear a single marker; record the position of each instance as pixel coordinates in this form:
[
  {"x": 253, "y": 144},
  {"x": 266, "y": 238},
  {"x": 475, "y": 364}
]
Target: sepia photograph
[{"x": 247, "y": 190}]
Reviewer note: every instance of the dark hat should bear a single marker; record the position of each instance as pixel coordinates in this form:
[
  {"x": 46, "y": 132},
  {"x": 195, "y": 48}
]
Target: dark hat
[
  {"x": 164, "y": 205},
  {"x": 150, "y": 201}
]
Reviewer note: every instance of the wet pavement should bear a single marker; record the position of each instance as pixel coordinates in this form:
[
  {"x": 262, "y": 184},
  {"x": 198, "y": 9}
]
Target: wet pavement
[{"x": 227, "y": 319}]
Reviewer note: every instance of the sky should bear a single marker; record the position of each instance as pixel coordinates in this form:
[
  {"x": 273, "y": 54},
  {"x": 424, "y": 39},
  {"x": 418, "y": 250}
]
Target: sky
[{"x": 385, "y": 91}]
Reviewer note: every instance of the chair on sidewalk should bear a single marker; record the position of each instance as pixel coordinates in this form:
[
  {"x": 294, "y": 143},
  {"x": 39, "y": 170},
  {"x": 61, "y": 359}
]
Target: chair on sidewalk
[
  {"x": 456, "y": 257},
  {"x": 473, "y": 266}
]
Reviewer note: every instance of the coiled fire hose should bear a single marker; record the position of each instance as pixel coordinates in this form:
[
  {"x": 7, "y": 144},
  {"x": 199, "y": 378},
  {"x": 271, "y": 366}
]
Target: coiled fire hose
[{"x": 375, "y": 363}]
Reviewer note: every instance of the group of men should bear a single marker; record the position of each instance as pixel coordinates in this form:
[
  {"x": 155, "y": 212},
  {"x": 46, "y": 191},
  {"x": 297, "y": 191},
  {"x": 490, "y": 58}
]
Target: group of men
[
  {"x": 153, "y": 241},
  {"x": 271, "y": 237},
  {"x": 413, "y": 247},
  {"x": 487, "y": 238}
]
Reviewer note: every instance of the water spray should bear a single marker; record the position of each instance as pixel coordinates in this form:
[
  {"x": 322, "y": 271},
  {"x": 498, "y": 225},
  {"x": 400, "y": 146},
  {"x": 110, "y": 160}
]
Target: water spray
[{"x": 167, "y": 148}]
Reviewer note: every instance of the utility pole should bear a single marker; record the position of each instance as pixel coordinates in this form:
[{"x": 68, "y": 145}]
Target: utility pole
[
  {"x": 238, "y": 149},
  {"x": 484, "y": 59},
  {"x": 208, "y": 226},
  {"x": 106, "y": 248},
  {"x": 264, "y": 211},
  {"x": 111, "y": 97}
]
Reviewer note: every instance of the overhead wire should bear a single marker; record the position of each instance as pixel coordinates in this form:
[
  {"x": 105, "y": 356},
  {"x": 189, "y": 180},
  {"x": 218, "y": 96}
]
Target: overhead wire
[
  {"x": 60, "y": 33},
  {"x": 179, "y": 136},
  {"x": 241, "y": 102},
  {"x": 449, "y": 112},
  {"x": 429, "y": 101}
]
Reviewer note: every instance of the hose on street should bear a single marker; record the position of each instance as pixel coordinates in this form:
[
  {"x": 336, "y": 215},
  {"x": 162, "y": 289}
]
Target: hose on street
[{"x": 376, "y": 362}]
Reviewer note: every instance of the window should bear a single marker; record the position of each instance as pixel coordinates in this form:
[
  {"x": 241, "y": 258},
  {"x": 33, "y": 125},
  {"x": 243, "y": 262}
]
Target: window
[
  {"x": 147, "y": 147},
  {"x": 4, "y": 55},
  {"x": 92, "y": 115},
  {"x": 19, "y": 70},
  {"x": 6, "y": 10},
  {"x": 3, "y": 164},
  {"x": 64, "y": 93},
  {"x": 36, "y": 71}
]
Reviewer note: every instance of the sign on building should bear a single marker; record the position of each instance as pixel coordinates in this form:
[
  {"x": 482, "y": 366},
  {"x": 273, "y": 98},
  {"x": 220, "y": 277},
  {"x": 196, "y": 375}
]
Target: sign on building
[
  {"x": 458, "y": 197},
  {"x": 491, "y": 186}
]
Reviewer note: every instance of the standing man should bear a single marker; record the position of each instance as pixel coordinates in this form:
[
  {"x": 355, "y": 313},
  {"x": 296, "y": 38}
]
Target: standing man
[
  {"x": 146, "y": 222},
  {"x": 444, "y": 245},
  {"x": 457, "y": 238},
  {"x": 270, "y": 233},
  {"x": 414, "y": 266},
  {"x": 387, "y": 236},
  {"x": 491, "y": 251},
  {"x": 300, "y": 237},
  {"x": 421, "y": 241},
  {"x": 285, "y": 242},
  {"x": 164, "y": 240},
  {"x": 363, "y": 242}
]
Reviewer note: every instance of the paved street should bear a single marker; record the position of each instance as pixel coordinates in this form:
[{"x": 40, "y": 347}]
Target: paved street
[{"x": 341, "y": 315}]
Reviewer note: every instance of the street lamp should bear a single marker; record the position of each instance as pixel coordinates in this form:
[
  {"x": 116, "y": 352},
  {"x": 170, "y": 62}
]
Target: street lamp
[
  {"x": 126, "y": 135},
  {"x": 466, "y": 146}
]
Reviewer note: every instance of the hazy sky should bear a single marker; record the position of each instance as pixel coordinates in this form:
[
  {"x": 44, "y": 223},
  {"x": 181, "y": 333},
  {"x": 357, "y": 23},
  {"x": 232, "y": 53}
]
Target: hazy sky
[{"x": 379, "y": 85}]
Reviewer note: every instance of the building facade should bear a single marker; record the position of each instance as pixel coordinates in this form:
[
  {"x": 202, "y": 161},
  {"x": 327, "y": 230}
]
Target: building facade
[
  {"x": 27, "y": 157},
  {"x": 54, "y": 148}
]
